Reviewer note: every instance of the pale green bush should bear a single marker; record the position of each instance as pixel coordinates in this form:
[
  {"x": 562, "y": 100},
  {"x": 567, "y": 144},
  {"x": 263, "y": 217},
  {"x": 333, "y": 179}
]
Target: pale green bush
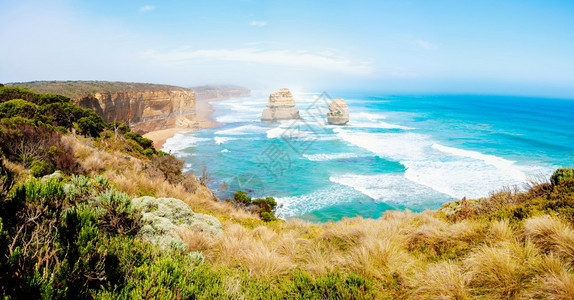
[{"x": 167, "y": 217}]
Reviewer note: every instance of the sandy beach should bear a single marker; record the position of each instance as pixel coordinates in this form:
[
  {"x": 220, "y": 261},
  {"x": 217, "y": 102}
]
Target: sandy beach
[{"x": 203, "y": 112}]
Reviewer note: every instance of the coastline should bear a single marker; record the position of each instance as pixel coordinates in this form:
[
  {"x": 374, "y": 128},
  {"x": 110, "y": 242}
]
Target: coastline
[{"x": 203, "y": 112}]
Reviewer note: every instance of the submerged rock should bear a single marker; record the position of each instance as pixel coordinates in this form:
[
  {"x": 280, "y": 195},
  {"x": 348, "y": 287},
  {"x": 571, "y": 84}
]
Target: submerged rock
[
  {"x": 281, "y": 106},
  {"x": 338, "y": 112}
]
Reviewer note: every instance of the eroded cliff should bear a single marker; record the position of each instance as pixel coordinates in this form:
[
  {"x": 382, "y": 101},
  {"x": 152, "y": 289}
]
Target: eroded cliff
[
  {"x": 145, "y": 107},
  {"x": 144, "y": 111}
]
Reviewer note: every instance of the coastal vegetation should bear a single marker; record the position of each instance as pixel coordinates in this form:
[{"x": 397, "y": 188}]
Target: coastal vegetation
[
  {"x": 76, "y": 88},
  {"x": 89, "y": 209}
]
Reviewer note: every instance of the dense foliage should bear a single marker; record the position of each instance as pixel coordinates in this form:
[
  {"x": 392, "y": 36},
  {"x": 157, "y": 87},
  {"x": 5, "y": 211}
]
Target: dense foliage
[{"x": 32, "y": 126}]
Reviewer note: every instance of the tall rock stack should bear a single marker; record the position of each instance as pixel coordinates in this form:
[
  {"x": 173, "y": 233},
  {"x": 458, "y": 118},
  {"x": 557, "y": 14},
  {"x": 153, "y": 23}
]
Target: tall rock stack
[
  {"x": 338, "y": 112},
  {"x": 281, "y": 106}
]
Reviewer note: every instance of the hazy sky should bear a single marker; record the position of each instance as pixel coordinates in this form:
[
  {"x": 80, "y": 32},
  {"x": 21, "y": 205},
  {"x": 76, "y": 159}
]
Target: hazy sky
[{"x": 518, "y": 47}]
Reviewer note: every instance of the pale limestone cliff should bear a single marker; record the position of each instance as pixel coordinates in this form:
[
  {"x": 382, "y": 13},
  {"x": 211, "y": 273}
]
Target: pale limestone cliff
[
  {"x": 281, "y": 106},
  {"x": 338, "y": 112},
  {"x": 144, "y": 111}
]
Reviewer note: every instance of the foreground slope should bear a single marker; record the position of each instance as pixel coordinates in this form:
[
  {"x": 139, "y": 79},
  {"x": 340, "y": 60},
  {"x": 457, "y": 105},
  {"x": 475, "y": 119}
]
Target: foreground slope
[{"x": 93, "y": 210}]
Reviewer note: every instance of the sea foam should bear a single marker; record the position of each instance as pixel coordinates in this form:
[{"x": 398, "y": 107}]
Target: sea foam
[
  {"x": 329, "y": 156},
  {"x": 242, "y": 130},
  {"x": 322, "y": 198},
  {"x": 389, "y": 188},
  {"x": 181, "y": 141},
  {"x": 222, "y": 139},
  {"x": 451, "y": 171}
]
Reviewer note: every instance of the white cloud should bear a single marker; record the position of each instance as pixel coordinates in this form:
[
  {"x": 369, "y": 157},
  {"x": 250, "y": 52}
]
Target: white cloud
[
  {"x": 425, "y": 44},
  {"x": 147, "y": 8},
  {"x": 258, "y": 23},
  {"x": 286, "y": 58}
]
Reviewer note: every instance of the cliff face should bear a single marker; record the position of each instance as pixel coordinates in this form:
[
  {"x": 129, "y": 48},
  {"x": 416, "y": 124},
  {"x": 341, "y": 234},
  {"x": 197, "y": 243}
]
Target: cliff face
[
  {"x": 281, "y": 106},
  {"x": 144, "y": 111}
]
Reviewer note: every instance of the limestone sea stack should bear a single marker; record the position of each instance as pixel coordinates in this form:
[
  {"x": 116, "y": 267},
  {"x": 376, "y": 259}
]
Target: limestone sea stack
[
  {"x": 281, "y": 106},
  {"x": 338, "y": 112}
]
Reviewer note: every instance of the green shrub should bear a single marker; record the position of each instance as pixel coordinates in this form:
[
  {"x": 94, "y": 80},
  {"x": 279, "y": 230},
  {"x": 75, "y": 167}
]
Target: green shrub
[
  {"x": 143, "y": 142},
  {"x": 148, "y": 152},
  {"x": 41, "y": 168},
  {"x": 117, "y": 214},
  {"x": 242, "y": 198},
  {"x": 267, "y": 216},
  {"x": 561, "y": 175},
  {"x": 267, "y": 205},
  {"x": 18, "y": 107}
]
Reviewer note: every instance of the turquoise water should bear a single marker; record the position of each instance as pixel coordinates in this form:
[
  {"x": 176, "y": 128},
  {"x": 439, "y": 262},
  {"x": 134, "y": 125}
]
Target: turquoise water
[{"x": 396, "y": 152}]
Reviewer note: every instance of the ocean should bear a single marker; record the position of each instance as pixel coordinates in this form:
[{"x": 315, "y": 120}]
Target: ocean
[{"x": 397, "y": 152}]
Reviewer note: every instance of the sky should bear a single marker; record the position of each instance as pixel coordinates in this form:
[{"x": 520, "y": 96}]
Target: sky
[{"x": 510, "y": 47}]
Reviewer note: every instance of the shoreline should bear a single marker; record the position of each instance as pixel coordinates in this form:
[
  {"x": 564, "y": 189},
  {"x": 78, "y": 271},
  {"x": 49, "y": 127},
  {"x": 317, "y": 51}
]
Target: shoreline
[{"x": 203, "y": 112}]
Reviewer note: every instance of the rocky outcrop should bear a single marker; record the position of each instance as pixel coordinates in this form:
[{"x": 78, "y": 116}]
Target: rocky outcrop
[
  {"x": 144, "y": 111},
  {"x": 281, "y": 106},
  {"x": 338, "y": 112}
]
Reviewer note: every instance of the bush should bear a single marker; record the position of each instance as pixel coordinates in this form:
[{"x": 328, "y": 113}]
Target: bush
[
  {"x": 143, "y": 142},
  {"x": 242, "y": 198},
  {"x": 267, "y": 205},
  {"x": 41, "y": 168},
  {"x": 168, "y": 217},
  {"x": 267, "y": 216},
  {"x": 561, "y": 174},
  {"x": 169, "y": 166},
  {"x": 18, "y": 107}
]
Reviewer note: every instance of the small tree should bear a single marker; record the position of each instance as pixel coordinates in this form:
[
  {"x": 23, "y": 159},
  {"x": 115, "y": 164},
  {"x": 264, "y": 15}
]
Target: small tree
[
  {"x": 242, "y": 198},
  {"x": 41, "y": 168},
  {"x": 561, "y": 175}
]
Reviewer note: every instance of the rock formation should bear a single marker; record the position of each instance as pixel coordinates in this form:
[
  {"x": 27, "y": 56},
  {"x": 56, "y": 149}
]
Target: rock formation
[
  {"x": 144, "y": 111},
  {"x": 338, "y": 112},
  {"x": 281, "y": 106}
]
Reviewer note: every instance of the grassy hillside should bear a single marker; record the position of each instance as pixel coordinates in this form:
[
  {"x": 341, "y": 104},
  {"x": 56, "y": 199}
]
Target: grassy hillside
[
  {"x": 78, "y": 89},
  {"x": 95, "y": 212}
]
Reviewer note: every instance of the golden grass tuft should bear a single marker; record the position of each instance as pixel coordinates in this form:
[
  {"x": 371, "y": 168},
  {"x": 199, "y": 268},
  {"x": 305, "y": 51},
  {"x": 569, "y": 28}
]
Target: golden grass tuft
[
  {"x": 379, "y": 257},
  {"x": 501, "y": 231},
  {"x": 443, "y": 280},
  {"x": 196, "y": 240},
  {"x": 505, "y": 270},
  {"x": 555, "y": 285},
  {"x": 551, "y": 234}
]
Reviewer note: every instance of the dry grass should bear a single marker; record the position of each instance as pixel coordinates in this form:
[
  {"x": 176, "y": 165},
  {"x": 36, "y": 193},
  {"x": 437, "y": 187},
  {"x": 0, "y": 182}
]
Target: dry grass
[
  {"x": 551, "y": 234},
  {"x": 443, "y": 280},
  {"x": 196, "y": 240},
  {"x": 131, "y": 175},
  {"x": 501, "y": 231},
  {"x": 504, "y": 271},
  {"x": 556, "y": 282}
]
